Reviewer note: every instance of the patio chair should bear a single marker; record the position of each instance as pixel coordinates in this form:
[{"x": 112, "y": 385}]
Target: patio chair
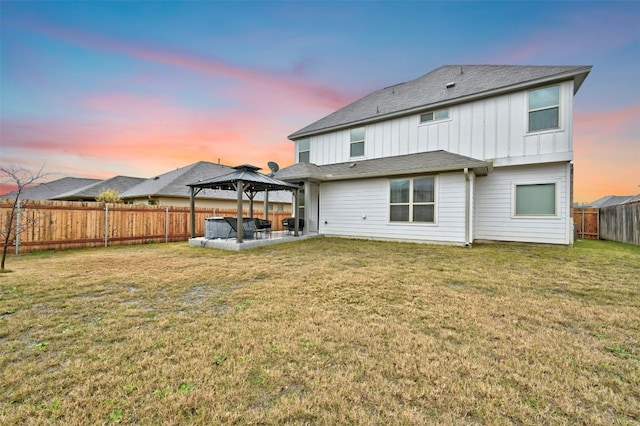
[
  {"x": 263, "y": 225},
  {"x": 291, "y": 224}
]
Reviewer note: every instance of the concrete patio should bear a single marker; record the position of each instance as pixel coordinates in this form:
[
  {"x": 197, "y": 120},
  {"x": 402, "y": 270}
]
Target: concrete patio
[{"x": 266, "y": 239}]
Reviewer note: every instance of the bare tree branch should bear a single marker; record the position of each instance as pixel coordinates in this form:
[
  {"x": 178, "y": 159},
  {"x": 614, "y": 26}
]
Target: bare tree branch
[{"x": 23, "y": 178}]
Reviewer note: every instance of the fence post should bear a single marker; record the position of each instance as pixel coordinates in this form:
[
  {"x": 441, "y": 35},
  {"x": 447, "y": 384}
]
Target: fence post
[
  {"x": 18, "y": 214},
  {"x": 106, "y": 225},
  {"x": 583, "y": 223},
  {"x": 166, "y": 226}
]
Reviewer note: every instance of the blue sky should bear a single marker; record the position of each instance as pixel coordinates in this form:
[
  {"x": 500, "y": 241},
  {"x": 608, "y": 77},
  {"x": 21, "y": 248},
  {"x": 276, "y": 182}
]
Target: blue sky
[{"x": 102, "y": 88}]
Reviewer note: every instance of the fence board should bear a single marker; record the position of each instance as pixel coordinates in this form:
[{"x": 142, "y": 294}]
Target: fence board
[
  {"x": 621, "y": 223},
  {"x": 586, "y": 220},
  {"x": 57, "y": 225}
]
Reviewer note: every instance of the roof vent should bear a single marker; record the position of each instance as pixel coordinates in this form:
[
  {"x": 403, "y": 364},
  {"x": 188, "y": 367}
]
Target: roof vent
[{"x": 450, "y": 85}]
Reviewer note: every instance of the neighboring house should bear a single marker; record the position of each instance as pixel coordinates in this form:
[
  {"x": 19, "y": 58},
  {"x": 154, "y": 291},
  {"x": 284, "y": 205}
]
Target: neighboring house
[
  {"x": 50, "y": 190},
  {"x": 613, "y": 200},
  {"x": 461, "y": 154},
  {"x": 170, "y": 189},
  {"x": 91, "y": 192}
]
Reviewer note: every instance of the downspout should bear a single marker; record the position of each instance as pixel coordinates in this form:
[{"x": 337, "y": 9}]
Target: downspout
[{"x": 467, "y": 208}]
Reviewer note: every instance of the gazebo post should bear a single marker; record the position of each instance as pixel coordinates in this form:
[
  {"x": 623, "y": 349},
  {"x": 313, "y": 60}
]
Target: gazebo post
[
  {"x": 296, "y": 219},
  {"x": 192, "y": 210},
  {"x": 265, "y": 208},
  {"x": 240, "y": 228}
]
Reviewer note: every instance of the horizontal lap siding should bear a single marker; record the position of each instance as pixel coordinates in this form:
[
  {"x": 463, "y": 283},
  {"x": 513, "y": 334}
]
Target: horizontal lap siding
[
  {"x": 343, "y": 205},
  {"x": 493, "y": 206}
]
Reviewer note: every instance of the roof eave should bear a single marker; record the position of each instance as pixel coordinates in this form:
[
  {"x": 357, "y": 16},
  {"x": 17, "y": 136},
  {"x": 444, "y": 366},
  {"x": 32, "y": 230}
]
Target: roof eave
[{"x": 480, "y": 169}]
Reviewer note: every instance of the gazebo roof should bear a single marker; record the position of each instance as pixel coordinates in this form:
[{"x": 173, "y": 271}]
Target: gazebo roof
[{"x": 251, "y": 179}]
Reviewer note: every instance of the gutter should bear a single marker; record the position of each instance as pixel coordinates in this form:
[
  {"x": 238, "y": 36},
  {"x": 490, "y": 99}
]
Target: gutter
[{"x": 467, "y": 208}]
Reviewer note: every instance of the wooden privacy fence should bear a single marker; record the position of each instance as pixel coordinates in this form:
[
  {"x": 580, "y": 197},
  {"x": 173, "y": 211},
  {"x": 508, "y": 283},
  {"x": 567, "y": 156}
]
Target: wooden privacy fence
[
  {"x": 621, "y": 223},
  {"x": 56, "y": 225},
  {"x": 586, "y": 220}
]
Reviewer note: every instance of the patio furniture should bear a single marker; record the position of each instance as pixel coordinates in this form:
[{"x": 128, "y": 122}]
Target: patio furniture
[
  {"x": 289, "y": 224},
  {"x": 263, "y": 226},
  {"x": 248, "y": 227},
  {"x": 216, "y": 227}
]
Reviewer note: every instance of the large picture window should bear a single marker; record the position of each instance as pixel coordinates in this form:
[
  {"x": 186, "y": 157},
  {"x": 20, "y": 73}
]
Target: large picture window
[
  {"x": 535, "y": 199},
  {"x": 544, "y": 108},
  {"x": 303, "y": 151},
  {"x": 412, "y": 200},
  {"x": 357, "y": 142}
]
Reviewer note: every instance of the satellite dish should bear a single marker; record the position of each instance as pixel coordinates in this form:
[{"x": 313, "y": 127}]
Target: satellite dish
[{"x": 273, "y": 167}]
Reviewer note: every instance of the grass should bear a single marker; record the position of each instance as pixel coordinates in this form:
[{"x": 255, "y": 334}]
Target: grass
[{"x": 325, "y": 331}]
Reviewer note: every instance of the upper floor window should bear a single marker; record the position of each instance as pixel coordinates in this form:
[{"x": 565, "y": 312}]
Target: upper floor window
[
  {"x": 412, "y": 200},
  {"x": 441, "y": 114},
  {"x": 303, "y": 150},
  {"x": 357, "y": 142},
  {"x": 544, "y": 108}
]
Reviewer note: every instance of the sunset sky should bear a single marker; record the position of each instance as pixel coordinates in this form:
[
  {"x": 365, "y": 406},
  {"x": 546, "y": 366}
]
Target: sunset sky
[{"x": 104, "y": 88}]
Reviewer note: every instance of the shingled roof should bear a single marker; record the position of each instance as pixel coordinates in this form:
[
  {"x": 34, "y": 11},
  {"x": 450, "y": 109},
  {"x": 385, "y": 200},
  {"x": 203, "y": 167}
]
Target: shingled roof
[
  {"x": 466, "y": 82},
  {"x": 49, "y": 190},
  {"x": 424, "y": 162},
  {"x": 91, "y": 192},
  {"x": 174, "y": 184}
]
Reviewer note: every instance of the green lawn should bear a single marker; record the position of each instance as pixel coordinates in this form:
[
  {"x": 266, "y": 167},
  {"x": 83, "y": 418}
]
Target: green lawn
[{"x": 323, "y": 331}]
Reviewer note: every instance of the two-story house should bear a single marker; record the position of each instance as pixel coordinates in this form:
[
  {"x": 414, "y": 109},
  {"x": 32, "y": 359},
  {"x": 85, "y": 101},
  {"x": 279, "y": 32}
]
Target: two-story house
[{"x": 462, "y": 154}]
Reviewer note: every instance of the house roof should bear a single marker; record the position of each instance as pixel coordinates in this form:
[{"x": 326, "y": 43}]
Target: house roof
[
  {"x": 49, "y": 190},
  {"x": 431, "y": 91},
  {"x": 425, "y": 162},
  {"x": 91, "y": 192},
  {"x": 614, "y": 200},
  {"x": 174, "y": 184}
]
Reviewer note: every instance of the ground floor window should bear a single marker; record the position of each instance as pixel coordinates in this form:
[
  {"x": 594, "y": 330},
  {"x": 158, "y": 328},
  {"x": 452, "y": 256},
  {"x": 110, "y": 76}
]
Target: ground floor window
[
  {"x": 538, "y": 199},
  {"x": 412, "y": 200}
]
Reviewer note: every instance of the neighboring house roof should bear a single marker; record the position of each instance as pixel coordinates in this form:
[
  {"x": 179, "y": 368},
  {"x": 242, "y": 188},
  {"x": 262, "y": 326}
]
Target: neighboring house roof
[
  {"x": 91, "y": 192},
  {"x": 425, "y": 162},
  {"x": 635, "y": 199},
  {"x": 614, "y": 200},
  {"x": 49, "y": 190},
  {"x": 174, "y": 184},
  {"x": 435, "y": 89}
]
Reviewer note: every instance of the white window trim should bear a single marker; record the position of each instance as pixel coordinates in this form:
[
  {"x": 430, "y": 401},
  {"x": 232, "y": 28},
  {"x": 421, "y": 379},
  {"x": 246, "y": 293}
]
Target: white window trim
[
  {"x": 554, "y": 216},
  {"x": 363, "y": 142},
  {"x": 304, "y": 150},
  {"x": 410, "y": 221},
  {"x": 434, "y": 121},
  {"x": 527, "y": 111}
]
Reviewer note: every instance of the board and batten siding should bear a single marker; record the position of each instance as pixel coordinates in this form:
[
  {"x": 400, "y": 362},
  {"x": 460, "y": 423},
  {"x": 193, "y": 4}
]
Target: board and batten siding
[
  {"x": 360, "y": 208},
  {"x": 494, "y": 128},
  {"x": 494, "y": 218}
]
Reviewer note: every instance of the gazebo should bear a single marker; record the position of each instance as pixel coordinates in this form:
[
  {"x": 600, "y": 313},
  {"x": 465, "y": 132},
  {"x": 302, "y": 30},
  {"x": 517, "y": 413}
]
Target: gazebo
[{"x": 244, "y": 180}]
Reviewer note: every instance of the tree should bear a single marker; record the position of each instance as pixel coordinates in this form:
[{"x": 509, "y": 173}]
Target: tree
[
  {"x": 109, "y": 196},
  {"x": 23, "y": 178}
]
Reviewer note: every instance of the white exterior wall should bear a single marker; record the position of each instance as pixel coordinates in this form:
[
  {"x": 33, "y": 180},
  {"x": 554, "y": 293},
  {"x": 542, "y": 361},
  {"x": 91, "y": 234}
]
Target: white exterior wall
[
  {"x": 494, "y": 201},
  {"x": 360, "y": 208},
  {"x": 488, "y": 129}
]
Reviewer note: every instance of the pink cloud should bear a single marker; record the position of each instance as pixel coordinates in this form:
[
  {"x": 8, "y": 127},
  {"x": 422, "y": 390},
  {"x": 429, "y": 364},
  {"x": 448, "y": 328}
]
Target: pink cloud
[{"x": 286, "y": 85}]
